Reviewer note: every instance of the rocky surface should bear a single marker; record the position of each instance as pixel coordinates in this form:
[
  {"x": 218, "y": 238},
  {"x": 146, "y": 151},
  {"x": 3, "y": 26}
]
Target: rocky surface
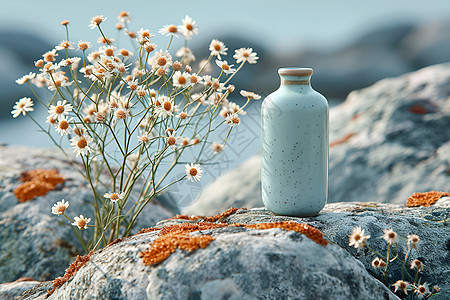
[
  {"x": 33, "y": 242},
  {"x": 387, "y": 142},
  {"x": 10, "y": 290},
  {"x": 245, "y": 263}
]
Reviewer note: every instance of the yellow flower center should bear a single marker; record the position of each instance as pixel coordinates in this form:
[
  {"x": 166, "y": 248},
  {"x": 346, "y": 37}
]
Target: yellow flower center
[
  {"x": 167, "y": 105},
  {"x": 162, "y": 61},
  {"x": 63, "y": 125},
  {"x": 171, "y": 141},
  {"x": 82, "y": 143},
  {"x": 189, "y": 27},
  {"x": 114, "y": 197},
  {"x": 193, "y": 79},
  {"x": 109, "y": 52},
  {"x": 97, "y": 20},
  {"x": 193, "y": 171},
  {"x": 59, "y": 109},
  {"x": 217, "y": 47},
  {"x": 225, "y": 67},
  {"x": 81, "y": 223},
  {"x": 182, "y": 80},
  {"x": 172, "y": 29}
]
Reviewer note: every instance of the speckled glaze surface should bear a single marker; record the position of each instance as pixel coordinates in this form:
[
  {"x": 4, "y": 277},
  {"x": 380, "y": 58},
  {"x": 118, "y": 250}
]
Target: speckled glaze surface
[{"x": 294, "y": 137}]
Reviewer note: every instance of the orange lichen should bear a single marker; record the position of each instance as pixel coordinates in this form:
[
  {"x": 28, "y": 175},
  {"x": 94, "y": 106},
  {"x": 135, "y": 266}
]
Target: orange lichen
[
  {"x": 79, "y": 262},
  {"x": 37, "y": 182},
  {"x": 418, "y": 110},
  {"x": 425, "y": 199},
  {"x": 313, "y": 233},
  {"x": 176, "y": 236},
  {"x": 342, "y": 140},
  {"x": 215, "y": 218}
]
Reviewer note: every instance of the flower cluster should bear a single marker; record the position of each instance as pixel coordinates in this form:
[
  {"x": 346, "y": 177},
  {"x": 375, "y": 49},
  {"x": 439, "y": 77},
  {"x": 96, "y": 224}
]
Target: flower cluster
[
  {"x": 132, "y": 112},
  {"x": 359, "y": 240}
]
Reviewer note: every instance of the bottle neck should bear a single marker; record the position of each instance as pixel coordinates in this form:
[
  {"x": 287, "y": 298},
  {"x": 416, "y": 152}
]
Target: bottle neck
[{"x": 292, "y": 81}]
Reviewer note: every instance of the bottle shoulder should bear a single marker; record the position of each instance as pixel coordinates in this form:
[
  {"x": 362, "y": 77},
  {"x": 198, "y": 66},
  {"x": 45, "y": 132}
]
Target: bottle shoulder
[{"x": 292, "y": 96}]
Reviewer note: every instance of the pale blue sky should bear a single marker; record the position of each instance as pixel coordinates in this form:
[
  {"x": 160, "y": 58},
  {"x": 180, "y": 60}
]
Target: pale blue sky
[{"x": 280, "y": 26}]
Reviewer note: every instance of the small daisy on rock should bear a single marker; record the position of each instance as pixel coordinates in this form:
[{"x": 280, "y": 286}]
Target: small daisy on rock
[
  {"x": 357, "y": 238},
  {"x": 81, "y": 222}
]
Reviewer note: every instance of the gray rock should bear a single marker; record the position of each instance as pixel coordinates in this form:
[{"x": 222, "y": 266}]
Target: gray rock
[
  {"x": 391, "y": 154},
  {"x": 10, "y": 290},
  {"x": 33, "y": 242},
  {"x": 239, "y": 264},
  {"x": 271, "y": 264},
  {"x": 427, "y": 44}
]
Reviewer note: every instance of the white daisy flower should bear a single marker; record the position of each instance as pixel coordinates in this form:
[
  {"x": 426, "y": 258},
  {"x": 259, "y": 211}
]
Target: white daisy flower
[
  {"x": 181, "y": 79},
  {"x": 51, "y": 121},
  {"x": 166, "y": 107},
  {"x": 412, "y": 241},
  {"x": 216, "y": 147},
  {"x": 124, "y": 17},
  {"x": 107, "y": 50},
  {"x": 120, "y": 113},
  {"x": 217, "y": 48},
  {"x": 69, "y": 61},
  {"x": 403, "y": 285},
  {"x": 236, "y": 109},
  {"x": 81, "y": 144},
  {"x": 114, "y": 197},
  {"x": 84, "y": 45},
  {"x": 60, "y": 207},
  {"x": 186, "y": 55},
  {"x": 194, "y": 78},
  {"x": 50, "y": 56},
  {"x": 245, "y": 54},
  {"x": 233, "y": 119},
  {"x": 422, "y": 290},
  {"x": 225, "y": 67},
  {"x": 81, "y": 222},
  {"x": 161, "y": 60},
  {"x": 390, "y": 236},
  {"x": 94, "y": 57},
  {"x": 22, "y": 106},
  {"x": 189, "y": 27},
  {"x": 170, "y": 30},
  {"x": 145, "y": 137},
  {"x": 250, "y": 95},
  {"x": 25, "y": 78},
  {"x": 144, "y": 36},
  {"x": 95, "y": 21},
  {"x": 193, "y": 172},
  {"x": 171, "y": 139},
  {"x": 58, "y": 80},
  {"x": 60, "y": 110},
  {"x": 217, "y": 85},
  {"x": 64, "y": 45},
  {"x": 357, "y": 238},
  {"x": 63, "y": 127},
  {"x": 125, "y": 52}
]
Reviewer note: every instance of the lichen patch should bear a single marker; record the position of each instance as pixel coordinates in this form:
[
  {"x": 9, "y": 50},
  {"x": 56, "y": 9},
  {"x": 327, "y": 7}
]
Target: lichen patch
[
  {"x": 37, "y": 183},
  {"x": 425, "y": 199},
  {"x": 178, "y": 236}
]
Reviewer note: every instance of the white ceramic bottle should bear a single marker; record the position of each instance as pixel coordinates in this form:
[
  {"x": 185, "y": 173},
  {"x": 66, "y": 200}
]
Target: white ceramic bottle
[{"x": 294, "y": 150}]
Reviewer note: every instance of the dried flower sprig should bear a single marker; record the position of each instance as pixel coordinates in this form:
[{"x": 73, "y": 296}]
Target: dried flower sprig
[{"x": 132, "y": 114}]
